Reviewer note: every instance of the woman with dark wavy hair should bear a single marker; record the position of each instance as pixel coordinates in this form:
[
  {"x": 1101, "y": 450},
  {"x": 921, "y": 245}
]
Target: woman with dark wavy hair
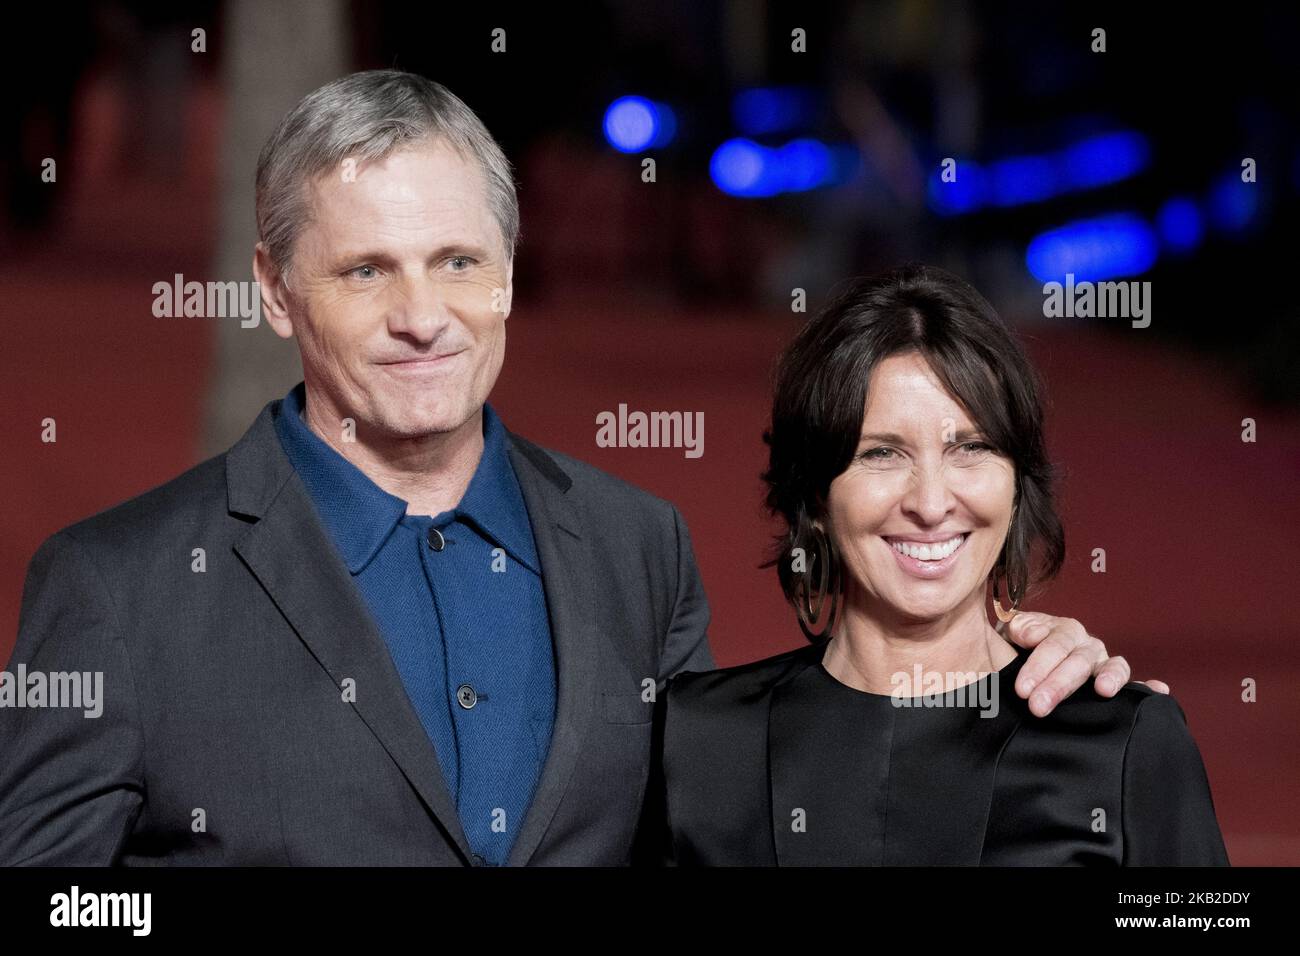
[{"x": 908, "y": 465}]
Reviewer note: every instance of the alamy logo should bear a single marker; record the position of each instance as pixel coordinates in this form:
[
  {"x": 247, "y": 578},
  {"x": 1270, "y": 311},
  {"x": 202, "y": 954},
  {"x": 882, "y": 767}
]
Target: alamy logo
[
  {"x": 926, "y": 689},
  {"x": 1098, "y": 300},
  {"x": 208, "y": 300},
  {"x": 651, "y": 430},
  {"x": 103, "y": 909},
  {"x": 23, "y": 688}
]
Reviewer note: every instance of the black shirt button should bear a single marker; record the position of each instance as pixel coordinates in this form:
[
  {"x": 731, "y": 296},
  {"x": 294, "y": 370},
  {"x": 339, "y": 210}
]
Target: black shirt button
[
  {"x": 479, "y": 861},
  {"x": 435, "y": 539},
  {"x": 466, "y": 696}
]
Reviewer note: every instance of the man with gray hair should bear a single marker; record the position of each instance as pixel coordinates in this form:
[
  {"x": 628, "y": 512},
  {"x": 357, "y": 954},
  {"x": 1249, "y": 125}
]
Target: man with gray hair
[{"x": 381, "y": 628}]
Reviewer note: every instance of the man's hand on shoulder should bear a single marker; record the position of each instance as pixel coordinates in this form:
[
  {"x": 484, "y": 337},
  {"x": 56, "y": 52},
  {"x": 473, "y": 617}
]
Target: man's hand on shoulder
[{"x": 1064, "y": 655}]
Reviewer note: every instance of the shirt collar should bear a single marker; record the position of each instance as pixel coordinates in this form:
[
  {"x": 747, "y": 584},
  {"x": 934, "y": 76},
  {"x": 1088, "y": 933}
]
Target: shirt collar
[
  {"x": 493, "y": 500},
  {"x": 360, "y": 515}
]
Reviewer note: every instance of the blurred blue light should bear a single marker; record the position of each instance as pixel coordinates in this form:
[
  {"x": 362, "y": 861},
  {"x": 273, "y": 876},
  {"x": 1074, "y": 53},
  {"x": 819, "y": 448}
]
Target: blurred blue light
[
  {"x": 1104, "y": 159},
  {"x": 738, "y": 167},
  {"x": 1092, "y": 162},
  {"x": 1120, "y": 244},
  {"x": 1180, "y": 224},
  {"x": 803, "y": 164},
  {"x": 964, "y": 194},
  {"x": 634, "y": 123},
  {"x": 772, "y": 109},
  {"x": 667, "y": 125},
  {"x": 1233, "y": 205},
  {"x": 1023, "y": 179},
  {"x": 741, "y": 167}
]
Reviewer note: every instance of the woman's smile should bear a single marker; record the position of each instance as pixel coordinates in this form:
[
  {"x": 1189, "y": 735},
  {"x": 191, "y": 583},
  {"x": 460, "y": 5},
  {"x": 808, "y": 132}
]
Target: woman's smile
[{"x": 927, "y": 559}]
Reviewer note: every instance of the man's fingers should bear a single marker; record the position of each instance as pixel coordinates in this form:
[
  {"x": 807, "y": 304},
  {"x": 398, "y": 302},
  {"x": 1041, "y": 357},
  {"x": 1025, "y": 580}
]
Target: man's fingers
[
  {"x": 1112, "y": 675},
  {"x": 1044, "y": 658},
  {"x": 1063, "y": 681},
  {"x": 1052, "y": 638},
  {"x": 1159, "y": 686},
  {"x": 1028, "y": 628},
  {"x": 1064, "y": 656}
]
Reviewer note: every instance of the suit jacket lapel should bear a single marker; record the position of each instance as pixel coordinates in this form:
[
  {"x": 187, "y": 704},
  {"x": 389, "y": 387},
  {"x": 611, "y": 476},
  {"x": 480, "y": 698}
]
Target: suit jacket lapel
[
  {"x": 566, "y": 564},
  {"x": 291, "y": 554}
]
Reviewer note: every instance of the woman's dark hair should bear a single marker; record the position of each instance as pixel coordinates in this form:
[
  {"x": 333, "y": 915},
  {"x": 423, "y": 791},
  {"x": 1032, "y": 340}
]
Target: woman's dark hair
[{"x": 820, "y": 396}]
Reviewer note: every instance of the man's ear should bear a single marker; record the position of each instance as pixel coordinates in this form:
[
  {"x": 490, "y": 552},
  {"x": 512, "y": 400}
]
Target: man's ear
[{"x": 275, "y": 297}]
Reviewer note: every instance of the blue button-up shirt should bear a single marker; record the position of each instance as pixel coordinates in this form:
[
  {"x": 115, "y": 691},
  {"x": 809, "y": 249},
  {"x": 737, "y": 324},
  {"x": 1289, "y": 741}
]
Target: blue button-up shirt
[{"x": 458, "y": 598}]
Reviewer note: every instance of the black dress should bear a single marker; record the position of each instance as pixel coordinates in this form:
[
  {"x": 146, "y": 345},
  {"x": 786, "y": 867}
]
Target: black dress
[{"x": 779, "y": 763}]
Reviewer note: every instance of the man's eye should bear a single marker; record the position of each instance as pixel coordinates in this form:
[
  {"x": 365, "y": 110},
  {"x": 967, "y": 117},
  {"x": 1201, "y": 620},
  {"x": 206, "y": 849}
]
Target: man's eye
[
  {"x": 460, "y": 263},
  {"x": 362, "y": 272},
  {"x": 976, "y": 447}
]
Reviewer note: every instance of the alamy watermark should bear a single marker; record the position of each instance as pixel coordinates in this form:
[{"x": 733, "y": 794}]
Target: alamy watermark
[
  {"x": 926, "y": 689},
  {"x": 1098, "y": 300},
  {"x": 77, "y": 689},
  {"x": 208, "y": 300},
  {"x": 635, "y": 429},
  {"x": 133, "y": 911}
]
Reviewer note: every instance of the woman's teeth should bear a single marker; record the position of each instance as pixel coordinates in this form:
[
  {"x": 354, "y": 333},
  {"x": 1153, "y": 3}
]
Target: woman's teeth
[{"x": 929, "y": 552}]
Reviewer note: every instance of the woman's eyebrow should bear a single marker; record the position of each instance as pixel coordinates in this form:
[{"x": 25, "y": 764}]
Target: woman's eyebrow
[{"x": 965, "y": 434}]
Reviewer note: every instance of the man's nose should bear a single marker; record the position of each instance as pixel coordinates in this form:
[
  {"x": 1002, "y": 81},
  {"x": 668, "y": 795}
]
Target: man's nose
[{"x": 419, "y": 310}]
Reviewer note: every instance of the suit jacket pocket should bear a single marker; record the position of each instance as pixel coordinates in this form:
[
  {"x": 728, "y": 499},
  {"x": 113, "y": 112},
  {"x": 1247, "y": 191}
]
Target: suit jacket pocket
[{"x": 628, "y": 709}]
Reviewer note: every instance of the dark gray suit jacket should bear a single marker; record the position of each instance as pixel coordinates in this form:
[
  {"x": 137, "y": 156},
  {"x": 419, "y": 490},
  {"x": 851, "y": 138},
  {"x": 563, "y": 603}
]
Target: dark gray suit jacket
[{"x": 225, "y": 736}]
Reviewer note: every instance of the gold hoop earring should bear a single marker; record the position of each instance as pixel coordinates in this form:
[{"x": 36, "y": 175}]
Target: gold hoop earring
[
  {"x": 809, "y": 608},
  {"x": 1004, "y": 616}
]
